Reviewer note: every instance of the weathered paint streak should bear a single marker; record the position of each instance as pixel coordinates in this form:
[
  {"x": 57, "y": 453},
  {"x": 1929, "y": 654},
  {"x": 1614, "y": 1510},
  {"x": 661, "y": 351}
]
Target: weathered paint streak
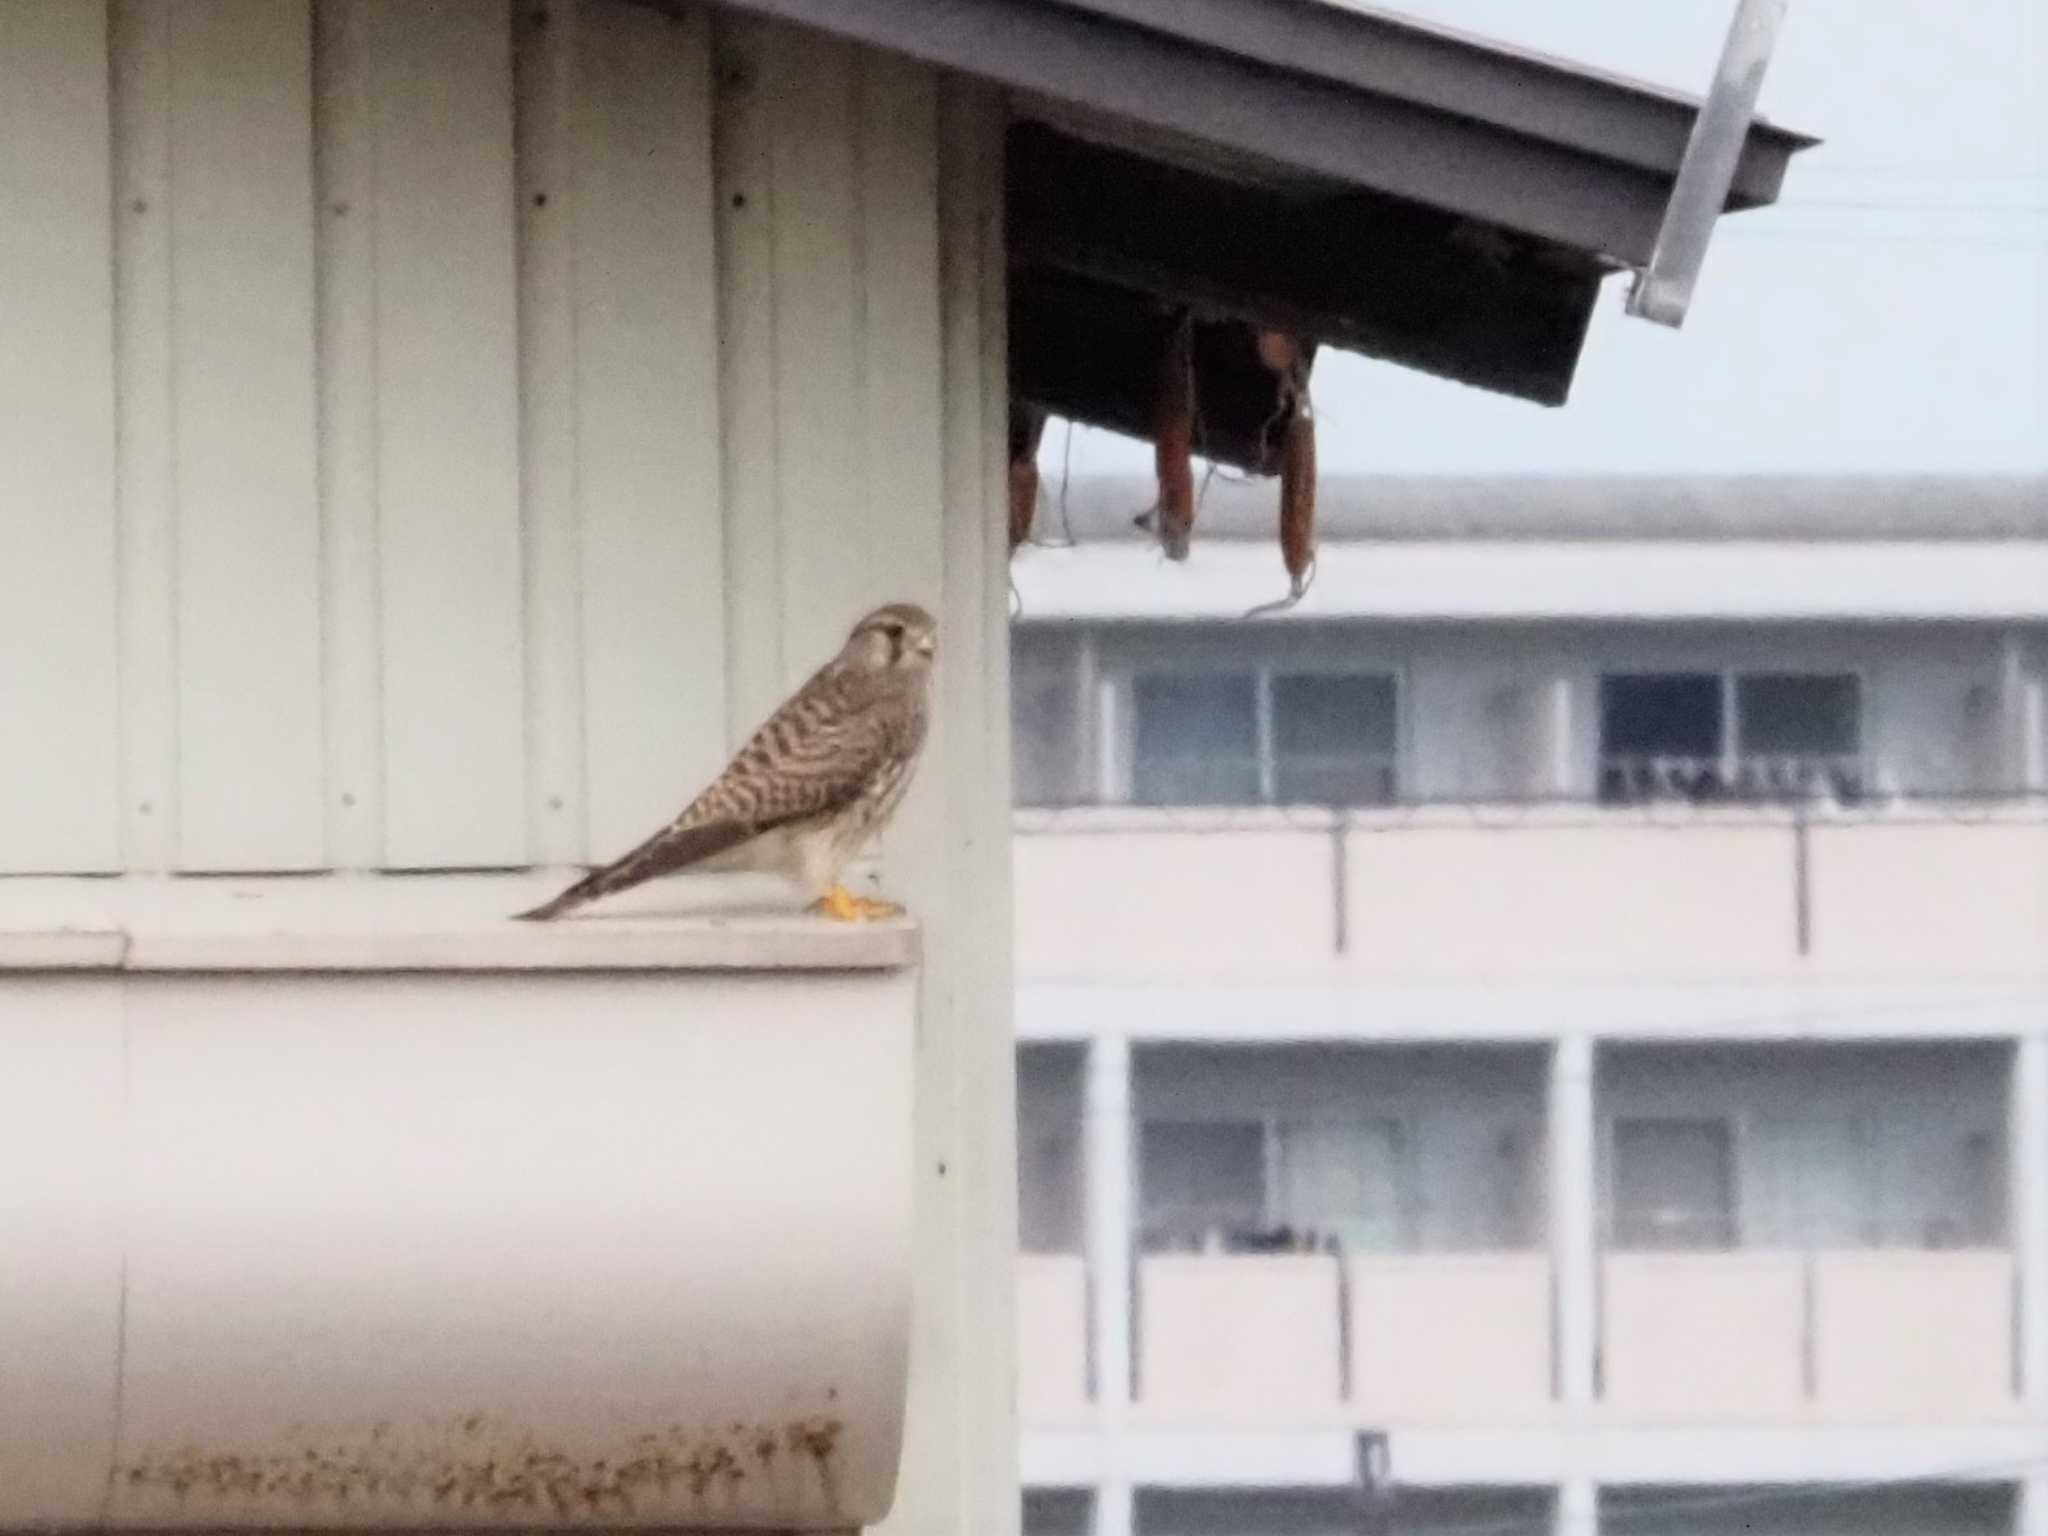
[{"x": 497, "y": 1472}]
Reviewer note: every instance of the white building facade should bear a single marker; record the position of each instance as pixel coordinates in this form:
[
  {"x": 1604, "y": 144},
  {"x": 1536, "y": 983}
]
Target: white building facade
[
  {"x": 1630, "y": 1102},
  {"x": 1515, "y": 1051}
]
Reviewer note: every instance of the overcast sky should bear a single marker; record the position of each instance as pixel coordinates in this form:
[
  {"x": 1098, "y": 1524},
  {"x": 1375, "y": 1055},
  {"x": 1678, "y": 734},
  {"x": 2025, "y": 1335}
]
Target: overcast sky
[{"x": 1890, "y": 315}]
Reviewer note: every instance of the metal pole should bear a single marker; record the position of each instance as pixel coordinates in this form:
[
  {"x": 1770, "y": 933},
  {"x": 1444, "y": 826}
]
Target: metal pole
[{"x": 1663, "y": 290}]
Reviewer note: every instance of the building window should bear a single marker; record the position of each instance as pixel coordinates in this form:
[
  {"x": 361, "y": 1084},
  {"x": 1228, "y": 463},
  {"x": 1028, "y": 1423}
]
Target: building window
[
  {"x": 1262, "y": 738},
  {"x": 1049, "y": 1194},
  {"x": 1797, "y": 734},
  {"x": 1271, "y": 1185},
  {"x": 1704, "y": 736},
  {"x": 1045, "y": 727},
  {"x": 1814, "y": 1182},
  {"x": 1340, "y": 1180},
  {"x": 1660, "y": 736},
  {"x": 1673, "y": 1183},
  {"x": 1201, "y": 1183},
  {"x": 1194, "y": 739},
  {"x": 1333, "y": 739}
]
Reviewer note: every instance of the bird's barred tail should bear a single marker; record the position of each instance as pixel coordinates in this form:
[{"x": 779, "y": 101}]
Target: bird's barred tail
[
  {"x": 667, "y": 851},
  {"x": 589, "y": 888},
  {"x": 639, "y": 865}
]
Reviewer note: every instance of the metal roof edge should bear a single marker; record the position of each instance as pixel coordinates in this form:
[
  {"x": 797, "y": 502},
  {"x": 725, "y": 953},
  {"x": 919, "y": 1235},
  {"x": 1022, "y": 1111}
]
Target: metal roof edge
[
  {"x": 1580, "y": 177},
  {"x": 1376, "y": 49}
]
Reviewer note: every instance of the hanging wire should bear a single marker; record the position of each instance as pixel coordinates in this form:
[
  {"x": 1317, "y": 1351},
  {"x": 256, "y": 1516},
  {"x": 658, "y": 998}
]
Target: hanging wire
[
  {"x": 1067, "y": 479},
  {"x": 1295, "y": 593},
  {"x": 1066, "y": 539}
]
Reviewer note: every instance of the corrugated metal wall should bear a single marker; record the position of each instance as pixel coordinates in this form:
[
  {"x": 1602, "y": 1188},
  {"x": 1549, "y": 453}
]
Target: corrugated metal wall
[{"x": 430, "y": 433}]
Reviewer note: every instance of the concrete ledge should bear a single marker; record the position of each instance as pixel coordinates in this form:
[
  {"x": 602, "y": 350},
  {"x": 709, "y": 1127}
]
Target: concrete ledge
[{"x": 418, "y": 923}]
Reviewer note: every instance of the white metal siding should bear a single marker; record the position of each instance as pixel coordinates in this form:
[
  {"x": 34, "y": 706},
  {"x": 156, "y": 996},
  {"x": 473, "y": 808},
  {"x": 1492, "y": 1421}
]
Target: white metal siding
[
  {"x": 431, "y": 435},
  {"x": 438, "y": 443},
  {"x": 438, "y": 85},
  {"x": 644, "y": 309},
  {"x": 58, "y": 639},
  {"x": 244, "y": 485}
]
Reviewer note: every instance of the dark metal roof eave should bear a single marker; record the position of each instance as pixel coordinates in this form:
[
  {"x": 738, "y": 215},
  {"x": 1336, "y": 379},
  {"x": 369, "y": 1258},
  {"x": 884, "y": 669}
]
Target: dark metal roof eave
[
  {"x": 1616, "y": 118},
  {"x": 1487, "y": 133}
]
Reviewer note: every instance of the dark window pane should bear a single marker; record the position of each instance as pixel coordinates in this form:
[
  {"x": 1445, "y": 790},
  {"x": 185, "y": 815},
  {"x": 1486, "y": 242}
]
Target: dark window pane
[
  {"x": 1058, "y": 1512},
  {"x": 1784, "y": 713},
  {"x": 1194, "y": 740},
  {"x": 1799, "y": 735},
  {"x": 1660, "y": 736},
  {"x": 1676, "y": 714},
  {"x": 1333, "y": 740}
]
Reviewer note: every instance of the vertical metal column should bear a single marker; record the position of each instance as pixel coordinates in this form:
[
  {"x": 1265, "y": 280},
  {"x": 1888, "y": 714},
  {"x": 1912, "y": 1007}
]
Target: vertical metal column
[
  {"x": 1573, "y": 1239},
  {"x": 1108, "y": 1140},
  {"x": 2028, "y": 1133}
]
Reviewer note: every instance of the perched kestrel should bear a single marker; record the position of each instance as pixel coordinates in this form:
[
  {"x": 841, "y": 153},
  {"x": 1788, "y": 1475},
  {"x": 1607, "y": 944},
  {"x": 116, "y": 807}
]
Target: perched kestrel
[{"x": 812, "y": 786}]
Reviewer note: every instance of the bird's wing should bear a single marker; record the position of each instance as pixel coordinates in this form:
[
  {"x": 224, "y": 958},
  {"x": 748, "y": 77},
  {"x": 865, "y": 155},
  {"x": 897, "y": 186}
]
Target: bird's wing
[{"x": 813, "y": 757}]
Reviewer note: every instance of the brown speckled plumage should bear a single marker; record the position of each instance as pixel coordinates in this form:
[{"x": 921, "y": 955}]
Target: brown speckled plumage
[{"x": 813, "y": 784}]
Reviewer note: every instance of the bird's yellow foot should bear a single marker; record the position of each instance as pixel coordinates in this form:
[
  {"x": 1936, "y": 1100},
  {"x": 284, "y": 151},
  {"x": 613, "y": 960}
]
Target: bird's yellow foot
[{"x": 842, "y": 906}]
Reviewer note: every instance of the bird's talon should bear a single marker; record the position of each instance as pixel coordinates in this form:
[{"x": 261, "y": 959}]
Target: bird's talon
[{"x": 842, "y": 906}]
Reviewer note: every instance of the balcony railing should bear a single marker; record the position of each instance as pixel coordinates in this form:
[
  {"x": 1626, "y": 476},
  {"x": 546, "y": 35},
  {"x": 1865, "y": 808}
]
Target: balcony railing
[
  {"x": 1738, "y": 893},
  {"x": 1409, "y": 1228},
  {"x": 1289, "y": 778},
  {"x": 1278, "y": 1341},
  {"x": 1240, "y": 1338},
  {"x": 1310, "y": 1338},
  {"x": 1052, "y": 1338},
  {"x": 1839, "y": 1337},
  {"x": 1440, "y": 1338}
]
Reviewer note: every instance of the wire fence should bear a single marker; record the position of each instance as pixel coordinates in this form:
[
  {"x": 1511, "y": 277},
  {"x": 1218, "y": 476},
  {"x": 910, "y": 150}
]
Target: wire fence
[{"x": 1541, "y": 810}]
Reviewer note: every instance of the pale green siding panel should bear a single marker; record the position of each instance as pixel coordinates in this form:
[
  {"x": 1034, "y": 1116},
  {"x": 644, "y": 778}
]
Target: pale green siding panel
[
  {"x": 544, "y": 90},
  {"x": 352, "y": 648},
  {"x": 247, "y": 566},
  {"x": 58, "y": 792},
  {"x": 902, "y": 492},
  {"x": 139, "y": 68},
  {"x": 828, "y": 569},
  {"x": 744, "y": 146},
  {"x": 646, "y": 328},
  {"x": 453, "y": 705}
]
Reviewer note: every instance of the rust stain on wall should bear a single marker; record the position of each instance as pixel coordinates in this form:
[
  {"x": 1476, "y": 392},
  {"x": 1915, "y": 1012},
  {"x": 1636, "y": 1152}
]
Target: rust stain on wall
[{"x": 492, "y": 1470}]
